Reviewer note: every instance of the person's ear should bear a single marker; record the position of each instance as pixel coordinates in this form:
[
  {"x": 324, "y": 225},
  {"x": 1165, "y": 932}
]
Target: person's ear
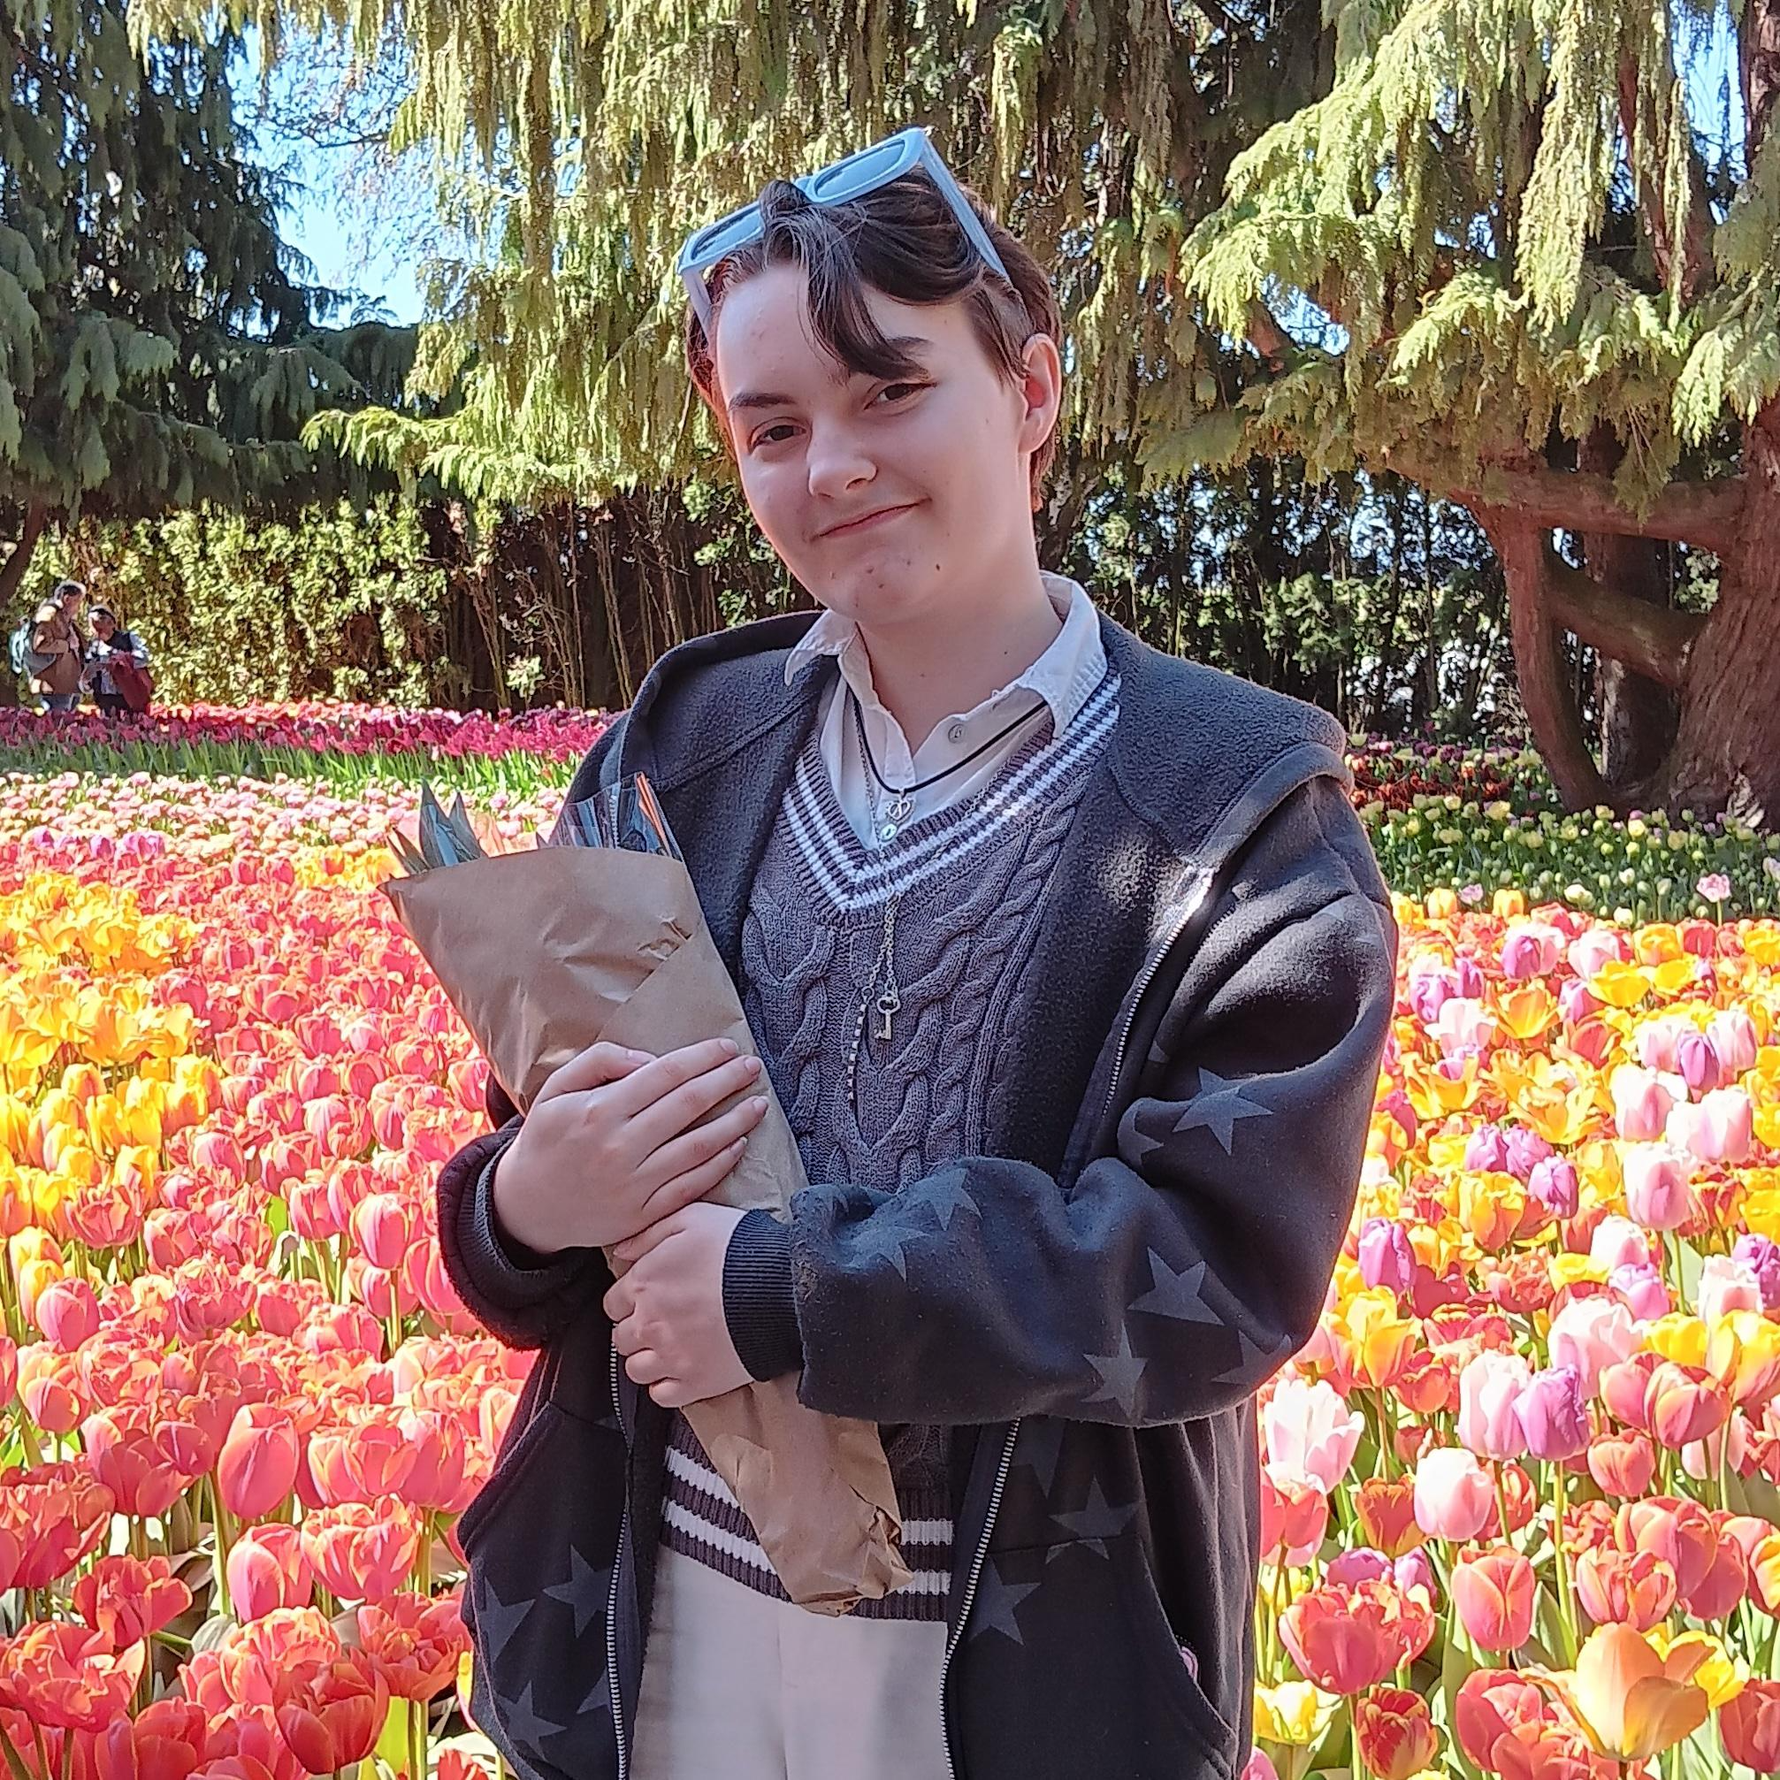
[{"x": 1041, "y": 389}]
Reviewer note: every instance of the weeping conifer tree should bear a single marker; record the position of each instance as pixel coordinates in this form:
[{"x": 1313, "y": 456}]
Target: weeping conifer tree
[
  {"x": 579, "y": 141},
  {"x": 154, "y": 351},
  {"x": 1513, "y": 254}
]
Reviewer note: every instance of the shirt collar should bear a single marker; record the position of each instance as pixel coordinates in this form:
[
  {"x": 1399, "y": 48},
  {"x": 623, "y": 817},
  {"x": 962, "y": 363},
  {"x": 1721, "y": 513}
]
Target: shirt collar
[{"x": 1063, "y": 676}]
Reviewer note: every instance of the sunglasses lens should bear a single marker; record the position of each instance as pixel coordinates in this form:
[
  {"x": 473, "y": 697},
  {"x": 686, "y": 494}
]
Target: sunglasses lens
[
  {"x": 724, "y": 236},
  {"x": 862, "y": 172}
]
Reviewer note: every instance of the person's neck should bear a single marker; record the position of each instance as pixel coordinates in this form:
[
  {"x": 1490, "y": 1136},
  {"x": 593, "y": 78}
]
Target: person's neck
[{"x": 924, "y": 672}]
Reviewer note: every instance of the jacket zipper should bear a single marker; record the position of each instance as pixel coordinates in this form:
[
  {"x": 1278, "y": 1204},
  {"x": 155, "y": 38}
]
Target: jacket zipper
[
  {"x": 1147, "y": 977},
  {"x": 612, "y": 1594},
  {"x": 970, "y": 1587}
]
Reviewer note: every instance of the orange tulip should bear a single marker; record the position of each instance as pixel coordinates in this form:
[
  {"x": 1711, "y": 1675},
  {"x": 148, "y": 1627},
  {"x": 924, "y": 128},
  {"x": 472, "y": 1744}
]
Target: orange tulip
[
  {"x": 63, "y": 1674},
  {"x": 1631, "y": 1702},
  {"x": 1386, "y": 1511},
  {"x": 331, "y": 1717},
  {"x": 1395, "y": 1732},
  {"x": 1496, "y": 1594},
  {"x": 1625, "y": 1588},
  {"x": 414, "y": 1642},
  {"x": 126, "y": 1598}
]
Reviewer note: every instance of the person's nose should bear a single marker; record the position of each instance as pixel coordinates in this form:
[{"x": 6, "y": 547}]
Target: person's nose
[{"x": 837, "y": 463}]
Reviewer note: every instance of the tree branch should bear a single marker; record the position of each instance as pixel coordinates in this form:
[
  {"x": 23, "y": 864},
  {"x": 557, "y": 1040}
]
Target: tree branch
[
  {"x": 1700, "y": 513},
  {"x": 1696, "y": 245},
  {"x": 1651, "y": 640}
]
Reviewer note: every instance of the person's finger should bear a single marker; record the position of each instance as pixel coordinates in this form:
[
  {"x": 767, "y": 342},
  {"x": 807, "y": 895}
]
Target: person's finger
[
  {"x": 592, "y": 1068},
  {"x": 671, "y": 1070},
  {"x": 625, "y": 1337},
  {"x": 672, "y": 1393},
  {"x": 633, "y": 1248},
  {"x": 646, "y": 1367},
  {"x": 619, "y": 1302},
  {"x": 695, "y": 1184},
  {"x": 683, "y": 1107},
  {"x": 694, "y": 1148}
]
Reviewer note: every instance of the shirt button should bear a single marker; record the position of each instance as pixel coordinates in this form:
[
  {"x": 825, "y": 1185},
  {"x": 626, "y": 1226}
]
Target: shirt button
[{"x": 955, "y": 733}]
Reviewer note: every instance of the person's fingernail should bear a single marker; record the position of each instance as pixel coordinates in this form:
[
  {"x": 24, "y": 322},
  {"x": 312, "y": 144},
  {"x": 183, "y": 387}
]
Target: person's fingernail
[
  {"x": 730, "y": 1047},
  {"x": 752, "y": 1065},
  {"x": 758, "y": 1103},
  {"x": 640, "y": 1056}
]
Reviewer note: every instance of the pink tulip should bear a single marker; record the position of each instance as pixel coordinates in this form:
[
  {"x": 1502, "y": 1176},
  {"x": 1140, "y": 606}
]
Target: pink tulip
[
  {"x": 1656, "y": 1189},
  {"x": 1720, "y": 1128},
  {"x": 1733, "y": 1037},
  {"x": 258, "y": 1462},
  {"x": 1575, "y": 1003},
  {"x": 1590, "y": 1334},
  {"x": 1465, "y": 1026},
  {"x": 1489, "y": 1388},
  {"x": 1593, "y": 948},
  {"x": 1310, "y": 1434},
  {"x": 1643, "y": 1289},
  {"x": 1618, "y": 1242},
  {"x": 1656, "y": 1041},
  {"x": 267, "y": 1570},
  {"x": 1385, "y": 1255},
  {"x": 1530, "y": 949},
  {"x": 1642, "y": 1100},
  {"x": 1727, "y": 1284},
  {"x": 1495, "y": 1594},
  {"x": 1454, "y": 1497},
  {"x": 1696, "y": 1062},
  {"x": 67, "y": 1312}
]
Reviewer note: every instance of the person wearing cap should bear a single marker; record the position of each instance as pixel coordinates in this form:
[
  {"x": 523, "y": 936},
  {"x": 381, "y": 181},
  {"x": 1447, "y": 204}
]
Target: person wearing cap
[
  {"x": 111, "y": 647},
  {"x": 57, "y": 648}
]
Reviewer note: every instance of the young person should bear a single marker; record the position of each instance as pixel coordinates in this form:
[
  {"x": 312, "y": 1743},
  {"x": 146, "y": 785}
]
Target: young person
[{"x": 1071, "y": 968}]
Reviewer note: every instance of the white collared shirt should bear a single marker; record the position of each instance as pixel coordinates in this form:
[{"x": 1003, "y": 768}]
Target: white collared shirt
[{"x": 1062, "y": 678}]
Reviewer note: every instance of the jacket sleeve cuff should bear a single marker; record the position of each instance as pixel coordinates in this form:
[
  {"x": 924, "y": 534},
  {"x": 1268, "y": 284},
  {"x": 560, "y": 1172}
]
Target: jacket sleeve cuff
[
  {"x": 758, "y": 1304},
  {"x": 515, "y": 1274}
]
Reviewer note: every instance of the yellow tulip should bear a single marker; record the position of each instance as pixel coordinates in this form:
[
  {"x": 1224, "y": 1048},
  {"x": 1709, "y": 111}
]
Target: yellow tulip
[
  {"x": 1631, "y": 1702},
  {"x": 1743, "y": 1355},
  {"x": 1381, "y": 1339},
  {"x": 1674, "y": 976},
  {"x": 1722, "y": 1675},
  {"x": 1569, "y": 1270},
  {"x": 1527, "y": 1009},
  {"x": 1762, "y": 943},
  {"x": 1678, "y": 1337},
  {"x": 1657, "y": 943},
  {"x": 1508, "y": 905},
  {"x": 1442, "y": 904},
  {"x": 1490, "y": 1208},
  {"x": 1619, "y": 985},
  {"x": 1294, "y": 1713}
]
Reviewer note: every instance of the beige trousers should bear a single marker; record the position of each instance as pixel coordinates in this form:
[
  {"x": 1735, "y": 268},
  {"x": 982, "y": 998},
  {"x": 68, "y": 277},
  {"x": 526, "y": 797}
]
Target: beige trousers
[{"x": 738, "y": 1686}]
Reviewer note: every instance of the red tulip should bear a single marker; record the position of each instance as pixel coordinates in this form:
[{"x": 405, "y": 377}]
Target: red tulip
[
  {"x": 258, "y": 1463},
  {"x": 1750, "y": 1727},
  {"x": 127, "y": 1598},
  {"x": 1495, "y": 1594},
  {"x": 1349, "y": 1639},
  {"x": 362, "y": 1551},
  {"x": 267, "y": 1570},
  {"x": 1490, "y": 1703},
  {"x": 63, "y": 1674},
  {"x": 167, "y": 1741},
  {"x": 415, "y": 1643}
]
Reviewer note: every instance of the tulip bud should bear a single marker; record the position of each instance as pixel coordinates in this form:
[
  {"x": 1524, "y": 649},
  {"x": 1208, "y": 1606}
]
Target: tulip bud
[{"x": 1495, "y": 1594}]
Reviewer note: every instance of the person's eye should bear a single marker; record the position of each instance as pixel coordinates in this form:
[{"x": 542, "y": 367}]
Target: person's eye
[
  {"x": 899, "y": 391},
  {"x": 766, "y": 435}
]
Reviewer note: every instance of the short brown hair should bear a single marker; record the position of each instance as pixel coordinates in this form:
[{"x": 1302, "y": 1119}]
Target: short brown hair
[{"x": 903, "y": 240}]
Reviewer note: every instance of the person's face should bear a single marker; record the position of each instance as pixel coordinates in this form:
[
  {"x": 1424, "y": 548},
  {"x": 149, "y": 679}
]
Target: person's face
[
  {"x": 71, "y": 602},
  {"x": 880, "y": 495},
  {"x": 103, "y": 625}
]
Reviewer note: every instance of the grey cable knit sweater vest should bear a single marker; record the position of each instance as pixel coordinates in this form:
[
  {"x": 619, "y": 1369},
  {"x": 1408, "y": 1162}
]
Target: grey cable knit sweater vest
[{"x": 969, "y": 884}]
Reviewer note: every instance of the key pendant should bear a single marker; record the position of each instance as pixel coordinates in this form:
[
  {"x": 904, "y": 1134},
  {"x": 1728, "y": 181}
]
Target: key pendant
[{"x": 888, "y": 1004}]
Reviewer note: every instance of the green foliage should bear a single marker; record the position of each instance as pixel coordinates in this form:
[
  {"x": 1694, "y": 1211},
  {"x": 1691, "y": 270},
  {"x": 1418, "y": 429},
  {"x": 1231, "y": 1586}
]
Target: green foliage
[
  {"x": 579, "y": 141},
  {"x": 1481, "y": 238},
  {"x": 342, "y": 603},
  {"x": 154, "y": 351}
]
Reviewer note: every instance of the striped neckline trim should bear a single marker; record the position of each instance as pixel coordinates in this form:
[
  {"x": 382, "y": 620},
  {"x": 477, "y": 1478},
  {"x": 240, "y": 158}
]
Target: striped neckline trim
[{"x": 852, "y": 877}]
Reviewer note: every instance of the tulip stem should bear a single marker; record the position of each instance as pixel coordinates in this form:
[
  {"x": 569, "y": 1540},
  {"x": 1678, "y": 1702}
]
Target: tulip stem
[
  {"x": 15, "y": 1762},
  {"x": 1561, "y": 1557},
  {"x": 1502, "y": 1502}
]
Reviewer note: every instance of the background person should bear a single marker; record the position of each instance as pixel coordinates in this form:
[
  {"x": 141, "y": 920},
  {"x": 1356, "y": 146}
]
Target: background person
[
  {"x": 57, "y": 648},
  {"x": 111, "y": 657}
]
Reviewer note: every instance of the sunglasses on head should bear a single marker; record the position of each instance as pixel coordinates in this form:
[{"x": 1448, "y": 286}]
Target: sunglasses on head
[{"x": 850, "y": 177}]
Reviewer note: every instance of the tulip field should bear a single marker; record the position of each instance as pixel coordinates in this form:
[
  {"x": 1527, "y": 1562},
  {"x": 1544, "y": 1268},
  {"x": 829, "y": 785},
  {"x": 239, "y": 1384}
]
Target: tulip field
[{"x": 1521, "y": 1491}]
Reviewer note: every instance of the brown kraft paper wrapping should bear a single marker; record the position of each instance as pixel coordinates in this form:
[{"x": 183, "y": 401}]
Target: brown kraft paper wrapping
[{"x": 546, "y": 952}]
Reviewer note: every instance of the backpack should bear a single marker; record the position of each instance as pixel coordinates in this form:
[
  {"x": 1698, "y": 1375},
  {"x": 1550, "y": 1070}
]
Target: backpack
[{"x": 25, "y": 659}]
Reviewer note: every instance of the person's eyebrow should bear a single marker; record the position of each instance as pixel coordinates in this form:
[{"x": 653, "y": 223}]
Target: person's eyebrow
[{"x": 751, "y": 400}]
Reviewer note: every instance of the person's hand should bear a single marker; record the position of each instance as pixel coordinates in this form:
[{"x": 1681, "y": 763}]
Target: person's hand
[
  {"x": 667, "y": 1307},
  {"x": 609, "y": 1146}
]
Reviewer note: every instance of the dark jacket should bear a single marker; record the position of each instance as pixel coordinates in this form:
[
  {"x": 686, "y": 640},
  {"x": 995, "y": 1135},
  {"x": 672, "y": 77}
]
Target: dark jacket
[{"x": 1214, "y": 969}]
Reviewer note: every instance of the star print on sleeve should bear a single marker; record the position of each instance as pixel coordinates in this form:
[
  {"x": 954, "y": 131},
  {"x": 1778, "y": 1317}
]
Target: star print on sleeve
[
  {"x": 522, "y": 1723},
  {"x": 1254, "y": 1362},
  {"x": 881, "y": 1240},
  {"x": 1217, "y": 1107},
  {"x": 1041, "y": 1445},
  {"x": 993, "y": 1608},
  {"x": 945, "y": 1194},
  {"x": 584, "y": 1591},
  {"x": 496, "y": 1620},
  {"x": 1119, "y": 1374},
  {"x": 1096, "y": 1523},
  {"x": 1174, "y": 1294}
]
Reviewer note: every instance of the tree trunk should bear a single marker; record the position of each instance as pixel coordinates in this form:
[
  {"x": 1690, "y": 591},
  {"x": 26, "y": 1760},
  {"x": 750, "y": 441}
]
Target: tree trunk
[
  {"x": 12, "y": 575},
  {"x": 1727, "y": 750}
]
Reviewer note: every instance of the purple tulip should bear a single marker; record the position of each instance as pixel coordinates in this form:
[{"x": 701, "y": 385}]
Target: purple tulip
[
  {"x": 1525, "y": 1150},
  {"x": 1470, "y": 976},
  {"x": 1552, "y": 1414},
  {"x": 1413, "y": 1570},
  {"x": 1554, "y": 1184},
  {"x": 1386, "y": 1258},
  {"x": 1362, "y": 1564},
  {"x": 1697, "y": 1062},
  {"x": 1487, "y": 1151},
  {"x": 1575, "y": 1002},
  {"x": 1761, "y": 1254},
  {"x": 1646, "y": 1297}
]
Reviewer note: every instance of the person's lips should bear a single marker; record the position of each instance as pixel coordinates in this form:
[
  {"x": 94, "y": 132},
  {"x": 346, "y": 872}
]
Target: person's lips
[{"x": 865, "y": 521}]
